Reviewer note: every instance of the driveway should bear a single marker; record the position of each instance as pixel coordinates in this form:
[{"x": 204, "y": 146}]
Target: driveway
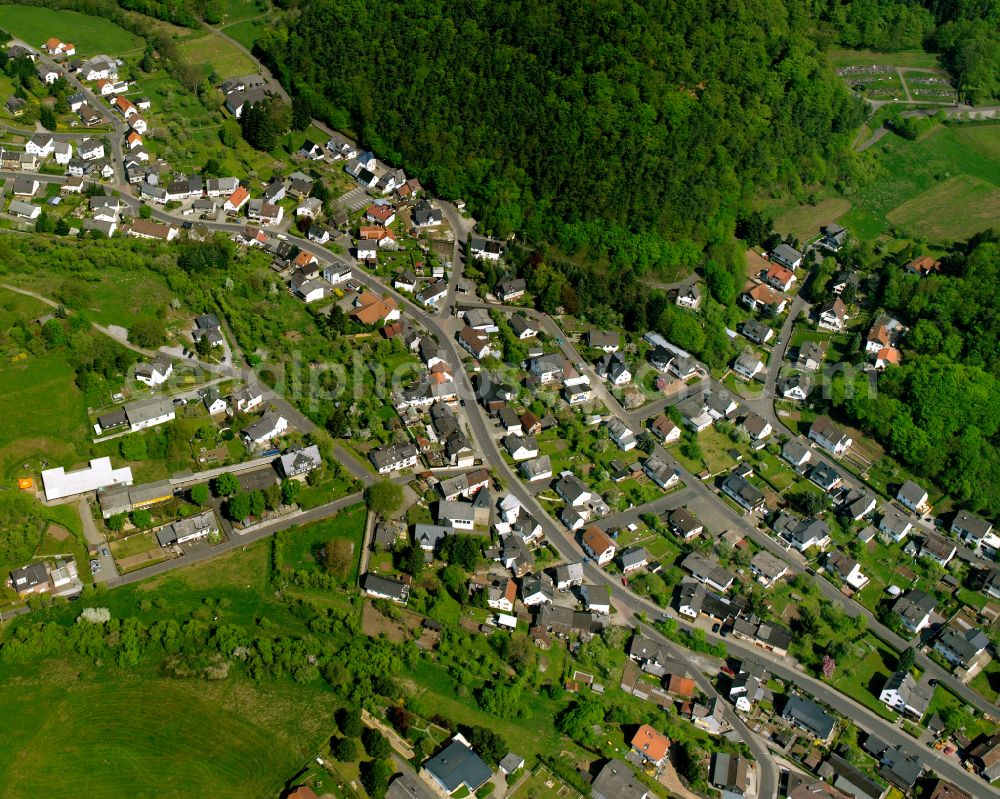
[{"x": 97, "y": 542}]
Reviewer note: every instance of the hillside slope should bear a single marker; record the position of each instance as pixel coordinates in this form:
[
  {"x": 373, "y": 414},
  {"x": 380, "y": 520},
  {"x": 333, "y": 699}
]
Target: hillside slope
[{"x": 655, "y": 117}]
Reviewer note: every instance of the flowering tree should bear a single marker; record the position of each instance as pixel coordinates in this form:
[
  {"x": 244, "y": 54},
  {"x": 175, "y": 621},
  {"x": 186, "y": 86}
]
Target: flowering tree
[{"x": 829, "y": 666}]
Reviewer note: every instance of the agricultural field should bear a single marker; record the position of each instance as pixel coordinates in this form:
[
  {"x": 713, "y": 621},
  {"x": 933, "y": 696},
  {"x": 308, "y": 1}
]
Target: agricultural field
[
  {"x": 804, "y": 221},
  {"x": 144, "y": 730},
  {"x": 91, "y": 35},
  {"x": 954, "y": 209},
  {"x": 934, "y": 187},
  {"x": 43, "y": 416},
  {"x": 246, "y": 32},
  {"x": 215, "y": 54},
  {"x": 839, "y": 57}
]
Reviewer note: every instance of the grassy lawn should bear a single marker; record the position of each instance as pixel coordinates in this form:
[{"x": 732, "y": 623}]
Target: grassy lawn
[
  {"x": 987, "y": 682},
  {"x": 804, "y": 221},
  {"x": 215, "y": 53},
  {"x": 928, "y": 184},
  {"x": 246, "y": 32},
  {"x": 840, "y": 57},
  {"x": 935, "y": 212},
  {"x": 236, "y": 10},
  {"x": 863, "y": 679},
  {"x": 44, "y": 416},
  {"x": 301, "y": 544},
  {"x": 91, "y": 35},
  {"x": 134, "y": 714},
  {"x": 943, "y": 697}
]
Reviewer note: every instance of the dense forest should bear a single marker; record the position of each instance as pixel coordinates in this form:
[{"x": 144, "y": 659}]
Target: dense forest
[
  {"x": 939, "y": 412},
  {"x": 964, "y": 32},
  {"x": 615, "y": 124}
]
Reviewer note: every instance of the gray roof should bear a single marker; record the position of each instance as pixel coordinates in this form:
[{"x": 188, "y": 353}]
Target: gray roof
[
  {"x": 809, "y": 715},
  {"x": 458, "y": 765},
  {"x": 911, "y": 492},
  {"x": 383, "y": 585},
  {"x": 617, "y": 781},
  {"x": 976, "y": 526},
  {"x": 144, "y": 410},
  {"x": 966, "y": 644},
  {"x": 914, "y": 606},
  {"x": 27, "y": 577},
  {"x": 300, "y": 461},
  {"x": 429, "y": 536},
  {"x": 634, "y": 556},
  {"x": 786, "y": 254}
]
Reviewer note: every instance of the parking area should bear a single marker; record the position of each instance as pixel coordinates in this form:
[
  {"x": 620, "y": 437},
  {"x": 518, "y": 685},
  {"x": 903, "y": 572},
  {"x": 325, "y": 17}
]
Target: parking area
[
  {"x": 257, "y": 479},
  {"x": 354, "y": 200}
]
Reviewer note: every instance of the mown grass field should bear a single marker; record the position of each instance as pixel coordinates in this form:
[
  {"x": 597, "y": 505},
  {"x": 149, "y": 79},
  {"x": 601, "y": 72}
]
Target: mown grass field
[
  {"x": 301, "y": 544},
  {"x": 103, "y": 732},
  {"x": 840, "y": 57},
  {"x": 215, "y": 53},
  {"x": 246, "y": 32},
  {"x": 43, "y": 415},
  {"x": 956, "y": 208},
  {"x": 934, "y": 186},
  {"x": 804, "y": 221},
  {"x": 91, "y": 35}
]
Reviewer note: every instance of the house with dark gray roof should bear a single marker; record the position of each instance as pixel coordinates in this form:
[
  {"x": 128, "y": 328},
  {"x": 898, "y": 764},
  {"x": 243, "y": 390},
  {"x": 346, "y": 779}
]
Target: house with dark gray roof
[
  {"x": 457, "y": 765},
  {"x": 809, "y": 716},
  {"x": 962, "y": 647},
  {"x": 914, "y": 609},
  {"x": 385, "y": 588},
  {"x": 617, "y": 781}
]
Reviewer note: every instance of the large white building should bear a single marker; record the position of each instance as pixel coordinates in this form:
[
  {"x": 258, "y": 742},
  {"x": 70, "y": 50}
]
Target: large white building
[
  {"x": 148, "y": 413},
  {"x": 59, "y": 483}
]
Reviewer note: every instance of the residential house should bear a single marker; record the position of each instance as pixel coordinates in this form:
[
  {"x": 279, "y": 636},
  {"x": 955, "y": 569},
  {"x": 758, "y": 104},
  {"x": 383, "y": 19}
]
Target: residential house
[
  {"x": 236, "y": 200},
  {"x": 546, "y": 368},
  {"x": 25, "y": 187},
  {"x": 603, "y": 340},
  {"x": 940, "y": 550},
  {"x": 425, "y": 215},
  {"x": 485, "y": 249},
  {"x": 755, "y": 331},
  {"x": 914, "y": 609},
  {"x": 381, "y": 213},
  {"x": 707, "y": 571},
  {"x": 213, "y": 402},
  {"x": 665, "y": 429},
  {"x": 457, "y": 514},
  {"x": 298, "y": 463},
  {"x": 598, "y": 545},
  {"x": 830, "y": 436},
  {"x": 154, "y": 373},
  {"x": 183, "y": 531},
  {"x": 685, "y": 524},
  {"x": 811, "y": 355},
  {"x": 41, "y": 144},
  {"x": 894, "y": 526},
  {"x": 802, "y": 534},
  {"x": 858, "y": 503},
  {"x": 976, "y": 532},
  {"x": 763, "y": 299},
  {"x": 832, "y": 315},
  {"x": 536, "y": 589},
  {"x": 780, "y": 278},
  {"x": 825, "y": 476},
  {"x": 809, "y": 716},
  {"x": 246, "y": 399},
  {"x": 885, "y": 333},
  {"x": 745, "y": 495},
  {"x": 756, "y": 426},
  {"x": 386, "y": 588},
  {"x": 902, "y": 694},
  {"x": 985, "y": 753},
  {"x": 370, "y": 309},
  {"x": 913, "y": 497},
  {"x": 847, "y": 569},
  {"x": 923, "y": 266},
  {"x": 24, "y": 210},
  {"x": 510, "y": 290},
  {"x": 393, "y": 457},
  {"x": 612, "y": 367},
  {"x": 539, "y": 468},
  {"x": 657, "y": 470},
  {"x": 786, "y": 255},
  {"x": 475, "y": 342},
  {"x": 522, "y": 328},
  {"x": 265, "y": 429},
  {"x": 147, "y": 229},
  {"x": 617, "y": 781},
  {"x": 652, "y": 746},
  {"x": 961, "y": 646},
  {"x": 796, "y": 386},
  {"x": 689, "y": 296},
  {"x": 142, "y": 414},
  {"x": 621, "y": 434},
  {"x": 844, "y": 279},
  {"x": 833, "y": 237},
  {"x": 633, "y": 559},
  {"x": 767, "y": 568},
  {"x": 730, "y": 774},
  {"x": 796, "y": 453},
  {"x": 520, "y": 448}
]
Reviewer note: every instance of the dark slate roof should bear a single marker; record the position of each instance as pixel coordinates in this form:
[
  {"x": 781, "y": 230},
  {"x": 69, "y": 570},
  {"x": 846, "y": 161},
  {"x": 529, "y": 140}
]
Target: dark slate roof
[{"x": 457, "y": 765}]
